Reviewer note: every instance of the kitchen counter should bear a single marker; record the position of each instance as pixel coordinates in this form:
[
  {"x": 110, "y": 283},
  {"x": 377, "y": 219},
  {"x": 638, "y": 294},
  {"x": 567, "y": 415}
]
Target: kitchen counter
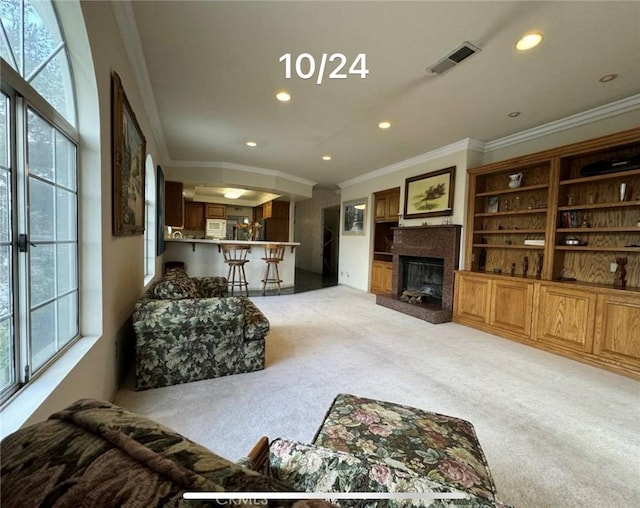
[{"x": 203, "y": 257}]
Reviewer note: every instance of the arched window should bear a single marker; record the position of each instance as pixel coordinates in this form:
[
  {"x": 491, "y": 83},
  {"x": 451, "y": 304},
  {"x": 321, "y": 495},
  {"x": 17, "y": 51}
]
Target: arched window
[{"x": 38, "y": 193}]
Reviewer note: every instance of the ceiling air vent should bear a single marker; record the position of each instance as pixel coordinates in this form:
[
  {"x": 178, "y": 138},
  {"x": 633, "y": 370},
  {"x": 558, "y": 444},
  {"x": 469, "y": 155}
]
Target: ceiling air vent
[{"x": 457, "y": 55}]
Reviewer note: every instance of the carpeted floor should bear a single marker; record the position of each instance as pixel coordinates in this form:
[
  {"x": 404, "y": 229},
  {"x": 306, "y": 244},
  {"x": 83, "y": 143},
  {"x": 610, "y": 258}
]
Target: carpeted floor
[{"x": 556, "y": 433}]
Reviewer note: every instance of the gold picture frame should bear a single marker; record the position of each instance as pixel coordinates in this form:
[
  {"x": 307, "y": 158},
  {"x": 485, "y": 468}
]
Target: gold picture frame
[
  {"x": 129, "y": 157},
  {"x": 430, "y": 194}
]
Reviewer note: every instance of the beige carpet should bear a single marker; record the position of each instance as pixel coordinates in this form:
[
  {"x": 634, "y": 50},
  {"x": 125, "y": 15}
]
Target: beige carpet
[{"x": 556, "y": 433}]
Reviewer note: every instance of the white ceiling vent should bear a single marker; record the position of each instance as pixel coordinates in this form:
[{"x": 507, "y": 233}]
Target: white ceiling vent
[{"x": 457, "y": 55}]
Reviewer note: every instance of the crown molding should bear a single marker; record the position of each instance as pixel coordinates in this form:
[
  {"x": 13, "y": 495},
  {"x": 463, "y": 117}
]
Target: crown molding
[
  {"x": 241, "y": 167},
  {"x": 592, "y": 115},
  {"x": 125, "y": 19},
  {"x": 467, "y": 144}
]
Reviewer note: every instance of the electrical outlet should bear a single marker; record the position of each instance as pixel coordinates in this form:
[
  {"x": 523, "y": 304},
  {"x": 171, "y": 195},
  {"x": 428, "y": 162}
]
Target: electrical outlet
[{"x": 613, "y": 267}]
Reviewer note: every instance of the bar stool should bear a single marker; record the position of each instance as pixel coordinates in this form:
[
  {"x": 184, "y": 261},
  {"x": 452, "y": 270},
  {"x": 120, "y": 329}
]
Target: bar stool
[
  {"x": 236, "y": 257},
  {"x": 273, "y": 254}
]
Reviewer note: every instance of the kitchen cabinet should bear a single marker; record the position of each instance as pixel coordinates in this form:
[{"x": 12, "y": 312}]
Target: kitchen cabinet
[
  {"x": 275, "y": 210},
  {"x": 213, "y": 211},
  {"x": 173, "y": 200},
  {"x": 194, "y": 216}
]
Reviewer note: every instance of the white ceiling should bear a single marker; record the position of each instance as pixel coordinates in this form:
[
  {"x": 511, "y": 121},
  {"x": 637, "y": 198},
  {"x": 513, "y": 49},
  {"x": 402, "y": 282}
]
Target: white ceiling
[{"x": 214, "y": 70}]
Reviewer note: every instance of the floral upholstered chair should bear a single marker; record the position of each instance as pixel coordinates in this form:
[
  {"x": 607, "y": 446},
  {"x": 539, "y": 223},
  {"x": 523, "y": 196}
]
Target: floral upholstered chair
[
  {"x": 367, "y": 445},
  {"x": 187, "y": 329}
]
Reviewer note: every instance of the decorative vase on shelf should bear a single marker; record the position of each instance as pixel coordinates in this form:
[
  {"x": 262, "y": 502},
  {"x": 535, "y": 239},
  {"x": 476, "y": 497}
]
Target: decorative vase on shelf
[{"x": 515, "y": 180}]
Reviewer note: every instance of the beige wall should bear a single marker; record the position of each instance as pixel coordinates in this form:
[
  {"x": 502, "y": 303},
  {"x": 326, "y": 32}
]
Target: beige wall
[
  {"x": 109, "y": 302},
  {"x": 308, "y": 229}
]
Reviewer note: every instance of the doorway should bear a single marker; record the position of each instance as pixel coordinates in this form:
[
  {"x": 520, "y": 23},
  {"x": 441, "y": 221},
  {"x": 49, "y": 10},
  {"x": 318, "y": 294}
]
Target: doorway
[{"x": 330, "y": 242}]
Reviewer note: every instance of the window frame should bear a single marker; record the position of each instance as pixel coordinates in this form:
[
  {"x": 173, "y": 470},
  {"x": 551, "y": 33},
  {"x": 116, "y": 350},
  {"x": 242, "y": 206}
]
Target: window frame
[{"x": 24, "y": 97}]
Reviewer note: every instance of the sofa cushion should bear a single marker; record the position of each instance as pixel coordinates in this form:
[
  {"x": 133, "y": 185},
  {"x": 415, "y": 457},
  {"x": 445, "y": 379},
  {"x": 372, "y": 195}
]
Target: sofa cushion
[
  {"x": 310, "y": 468},
  {"x": 440, "y": 447},
  {"x": 176, "y": 285}
]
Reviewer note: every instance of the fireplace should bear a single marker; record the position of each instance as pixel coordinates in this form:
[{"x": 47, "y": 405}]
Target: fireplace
[
  {"x": 424, "y": 259},
  {"x": 422, "y": 279}
]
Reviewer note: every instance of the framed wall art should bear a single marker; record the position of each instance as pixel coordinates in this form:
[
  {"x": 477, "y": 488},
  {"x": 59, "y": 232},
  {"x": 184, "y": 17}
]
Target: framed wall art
[
  {"x": 129, "y": 153},
  {"x": 429, "y": 195},
  {"x": 354, "y": 216}
]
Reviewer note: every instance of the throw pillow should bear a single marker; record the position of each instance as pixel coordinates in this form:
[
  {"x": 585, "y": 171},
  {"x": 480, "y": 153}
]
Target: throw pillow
[{"x": 176, "y": 287}]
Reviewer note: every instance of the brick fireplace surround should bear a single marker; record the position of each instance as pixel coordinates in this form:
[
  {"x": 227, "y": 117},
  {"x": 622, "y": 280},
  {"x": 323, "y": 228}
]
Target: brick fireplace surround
[{"x": 424, "y": 241}]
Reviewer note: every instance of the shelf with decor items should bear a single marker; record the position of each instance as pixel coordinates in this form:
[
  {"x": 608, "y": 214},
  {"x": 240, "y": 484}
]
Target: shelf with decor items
[{"x": 576, "y": 210}]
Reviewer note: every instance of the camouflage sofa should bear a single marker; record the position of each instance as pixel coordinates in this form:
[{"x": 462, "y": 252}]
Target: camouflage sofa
[
  {"x": 187, "y": 329},
  {"x": 95, "y": 454}
]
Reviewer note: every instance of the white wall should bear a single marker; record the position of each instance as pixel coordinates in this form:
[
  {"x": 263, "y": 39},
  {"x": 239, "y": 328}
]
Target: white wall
[{"x": 356, "y": 251}]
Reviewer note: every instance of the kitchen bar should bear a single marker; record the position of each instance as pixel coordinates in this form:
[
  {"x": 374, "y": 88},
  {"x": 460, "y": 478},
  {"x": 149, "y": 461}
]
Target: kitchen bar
[{"x": 204, "y": 258}]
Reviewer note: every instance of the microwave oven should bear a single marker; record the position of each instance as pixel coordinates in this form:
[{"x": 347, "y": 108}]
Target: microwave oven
[{"x": 216, "y": 228}]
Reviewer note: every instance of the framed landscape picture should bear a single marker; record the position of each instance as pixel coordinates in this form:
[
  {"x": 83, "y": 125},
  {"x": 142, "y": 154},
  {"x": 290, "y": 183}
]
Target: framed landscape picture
[
  {"x": 430, "y": 195},
  {"x": 354, "y": 215},
  {"x": 129, "y": 153}
]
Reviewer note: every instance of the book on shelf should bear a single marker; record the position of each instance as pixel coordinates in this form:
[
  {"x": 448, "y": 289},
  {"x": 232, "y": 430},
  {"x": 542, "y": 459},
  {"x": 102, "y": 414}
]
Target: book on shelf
[
  {"x": 534, "y": 242},
  {"x": 570, "y": 219}
]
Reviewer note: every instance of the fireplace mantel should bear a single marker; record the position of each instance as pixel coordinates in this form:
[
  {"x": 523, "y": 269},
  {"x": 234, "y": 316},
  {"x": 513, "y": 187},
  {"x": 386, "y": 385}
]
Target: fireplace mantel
[{"x": 442, "y": 241}]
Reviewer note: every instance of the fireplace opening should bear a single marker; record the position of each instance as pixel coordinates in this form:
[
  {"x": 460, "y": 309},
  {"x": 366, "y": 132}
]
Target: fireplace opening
[{"x": 422, "y": 279}]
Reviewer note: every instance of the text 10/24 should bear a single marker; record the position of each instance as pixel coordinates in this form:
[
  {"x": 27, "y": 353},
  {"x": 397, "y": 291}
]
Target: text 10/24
[{"x": 305, "y": 67}]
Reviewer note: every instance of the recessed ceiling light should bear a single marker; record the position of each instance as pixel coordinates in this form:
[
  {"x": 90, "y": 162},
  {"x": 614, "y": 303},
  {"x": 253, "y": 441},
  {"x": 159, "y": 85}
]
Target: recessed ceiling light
[
  {"x": 608, "y": 77},
  {"x": 326, "y": 157},
  {"x": 283, "y": 96},
  {"x": 384, "y": 125},
  {"x": 233, "y": 193},
  {"x": 529, "y": 41},
  {"x": 252, "y": 143},
  {"x": 513, "y": 114}
]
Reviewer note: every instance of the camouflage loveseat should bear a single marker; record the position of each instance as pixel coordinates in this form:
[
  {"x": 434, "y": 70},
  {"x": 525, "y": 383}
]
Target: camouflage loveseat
[
  {"x": 95, "y": 454},
  {"x": 187, "y": 329}
]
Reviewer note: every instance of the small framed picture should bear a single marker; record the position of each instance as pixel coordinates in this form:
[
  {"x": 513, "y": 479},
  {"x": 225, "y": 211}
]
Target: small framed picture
[
  {"x": 492, "y": 204},
  {"x": 354, "y": 215}
]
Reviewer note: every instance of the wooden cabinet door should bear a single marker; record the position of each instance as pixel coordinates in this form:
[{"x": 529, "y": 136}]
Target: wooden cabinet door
[
  {"x": 387, "y": 277},
  {"x": 381, "y": 207},
  {"x": 277, "y": 230},
  {"x": 173, "y": 204},
  {"x": 280, "y": 209},
  {"x": 215, "y": 211},
  {"x": 511, "y": 306},
  {"x": 566, "y": 317},
  {"x": 377, "y": 276},
  {"x": 194, "y": 216},
  {"x": 471, "y": 298},
  {"x": 617, "y": 332},
  {"x": 393, "y": 206}
]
